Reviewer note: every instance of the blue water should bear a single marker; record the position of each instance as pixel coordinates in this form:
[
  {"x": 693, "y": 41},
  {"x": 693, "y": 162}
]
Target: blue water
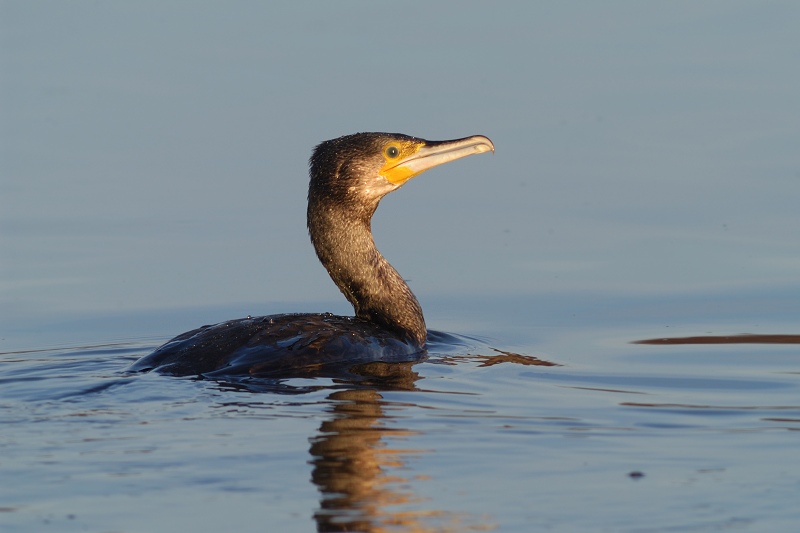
[
  {"x": 569, "y": 428},
  {"x": 645, "y": 186}
]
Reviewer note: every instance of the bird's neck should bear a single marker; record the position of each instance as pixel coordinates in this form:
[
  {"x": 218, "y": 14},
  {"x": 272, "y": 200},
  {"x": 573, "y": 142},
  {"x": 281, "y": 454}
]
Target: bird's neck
[{"x": 343, "y": 241}]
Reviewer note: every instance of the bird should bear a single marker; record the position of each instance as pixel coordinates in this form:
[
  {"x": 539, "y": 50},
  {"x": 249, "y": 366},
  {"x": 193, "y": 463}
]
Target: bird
[{"x": 349, "y": 176}]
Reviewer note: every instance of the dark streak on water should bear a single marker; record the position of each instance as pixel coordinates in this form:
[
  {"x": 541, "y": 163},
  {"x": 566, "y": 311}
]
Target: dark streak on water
[{"x": 726, "y": 339}]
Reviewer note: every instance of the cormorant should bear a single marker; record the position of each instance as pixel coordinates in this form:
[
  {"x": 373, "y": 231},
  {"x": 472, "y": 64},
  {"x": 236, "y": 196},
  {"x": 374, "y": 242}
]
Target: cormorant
[{"x": 348, "y": 178}]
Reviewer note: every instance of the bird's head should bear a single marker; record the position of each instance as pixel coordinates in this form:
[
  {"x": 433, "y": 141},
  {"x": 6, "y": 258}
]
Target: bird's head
[{"x": 367, "y": 166}]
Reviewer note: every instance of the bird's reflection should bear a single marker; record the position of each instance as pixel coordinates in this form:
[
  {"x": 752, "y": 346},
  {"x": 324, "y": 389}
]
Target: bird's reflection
[
  {"x": 360, "y": 461},
  {"x": 355, "y": 469},
  {"x": 361, "y": 465}
]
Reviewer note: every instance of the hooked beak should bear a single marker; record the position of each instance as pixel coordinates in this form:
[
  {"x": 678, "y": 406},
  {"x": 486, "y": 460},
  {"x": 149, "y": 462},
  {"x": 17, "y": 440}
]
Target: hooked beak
[{"x": 435, "y": 153}]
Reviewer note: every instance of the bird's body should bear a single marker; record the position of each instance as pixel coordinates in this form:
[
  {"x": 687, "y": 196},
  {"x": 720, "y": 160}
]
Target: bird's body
[
  {"x": 288, "y": 345},
  {"x": 349, "y": 176}
]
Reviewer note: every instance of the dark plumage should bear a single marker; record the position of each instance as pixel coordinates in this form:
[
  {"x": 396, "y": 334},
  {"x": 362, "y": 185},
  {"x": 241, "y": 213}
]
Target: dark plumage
[{"x": 349, "y": 176}]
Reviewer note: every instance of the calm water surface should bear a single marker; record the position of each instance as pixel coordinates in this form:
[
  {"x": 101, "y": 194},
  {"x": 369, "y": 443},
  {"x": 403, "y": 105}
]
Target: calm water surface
[
  {"x": 646, "y": 185},
  {"x": 565, "y": 427}
]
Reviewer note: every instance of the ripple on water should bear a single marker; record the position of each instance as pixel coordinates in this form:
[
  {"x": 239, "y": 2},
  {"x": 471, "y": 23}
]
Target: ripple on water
[{"x": 436, "y": 437}]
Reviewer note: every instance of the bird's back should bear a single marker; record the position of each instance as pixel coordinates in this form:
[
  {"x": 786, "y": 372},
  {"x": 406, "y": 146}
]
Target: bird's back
[{"x": 282, "y": 346}]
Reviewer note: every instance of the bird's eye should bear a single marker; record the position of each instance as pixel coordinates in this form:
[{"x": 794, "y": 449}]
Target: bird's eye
[{"x": 392, "y": 151}]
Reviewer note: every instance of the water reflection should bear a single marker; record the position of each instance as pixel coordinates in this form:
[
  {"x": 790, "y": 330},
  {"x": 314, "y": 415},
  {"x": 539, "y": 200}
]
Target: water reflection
[
  {"x": 357, "y": 471},
  {"x": 362, "y": 473},
  {"x": 499, "y": 358},
  {"x": 360, "y": 466}
]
